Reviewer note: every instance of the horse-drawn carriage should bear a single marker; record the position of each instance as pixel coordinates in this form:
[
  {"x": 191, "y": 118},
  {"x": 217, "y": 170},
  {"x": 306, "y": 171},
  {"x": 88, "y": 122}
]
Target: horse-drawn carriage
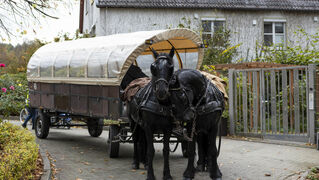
[{"x": 82, "y": 78}]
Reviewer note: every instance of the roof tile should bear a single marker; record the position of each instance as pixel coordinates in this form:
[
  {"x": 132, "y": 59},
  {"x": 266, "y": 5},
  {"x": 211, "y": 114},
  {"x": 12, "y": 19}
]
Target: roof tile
[{"x": 301, "y": 5}]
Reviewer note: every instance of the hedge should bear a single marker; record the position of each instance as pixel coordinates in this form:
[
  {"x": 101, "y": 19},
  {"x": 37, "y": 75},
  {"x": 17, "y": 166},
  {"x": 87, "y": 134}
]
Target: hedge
[
  {"x": 13, "y": 93},
  {"x": 18, "y": 152}
]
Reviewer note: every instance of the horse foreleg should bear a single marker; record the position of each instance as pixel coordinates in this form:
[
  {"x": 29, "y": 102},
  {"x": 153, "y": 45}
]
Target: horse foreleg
[
  {"x": 214, "y": 171},
  {"x": 166, "y": 172},
  {"x": 143, "y": 149},
  {"x": 189, "y": 173},
  {"x": 202, "y": 151},
  {"x": 150, "y": 153}
]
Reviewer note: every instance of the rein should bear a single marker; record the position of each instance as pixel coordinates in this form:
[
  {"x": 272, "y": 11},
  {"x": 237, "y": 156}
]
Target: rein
[{"x": 193, "y": 109}]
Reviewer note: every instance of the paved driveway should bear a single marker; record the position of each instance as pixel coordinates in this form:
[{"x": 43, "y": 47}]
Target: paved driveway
[{"x": 77, "y": 155}]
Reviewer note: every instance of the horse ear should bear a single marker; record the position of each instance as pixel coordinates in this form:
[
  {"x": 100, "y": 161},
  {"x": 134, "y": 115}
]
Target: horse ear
[
  {"x": 171, "y": 53},
  {"x": 154, "y": 53}
]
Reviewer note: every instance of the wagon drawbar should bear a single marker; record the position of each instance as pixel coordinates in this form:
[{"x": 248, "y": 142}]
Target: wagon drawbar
[{"x": 82, "y": 78}]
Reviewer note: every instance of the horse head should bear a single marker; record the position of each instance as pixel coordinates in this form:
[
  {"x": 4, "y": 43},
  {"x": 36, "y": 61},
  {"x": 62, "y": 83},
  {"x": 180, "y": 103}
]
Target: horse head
[
  {"x": 187, "y": 87},
  {"x": 162, "y": 70}
]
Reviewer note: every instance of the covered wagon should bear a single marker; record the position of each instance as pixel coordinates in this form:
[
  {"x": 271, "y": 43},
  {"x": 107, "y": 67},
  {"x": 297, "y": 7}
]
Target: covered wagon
[{"x": 82, "y": 78}]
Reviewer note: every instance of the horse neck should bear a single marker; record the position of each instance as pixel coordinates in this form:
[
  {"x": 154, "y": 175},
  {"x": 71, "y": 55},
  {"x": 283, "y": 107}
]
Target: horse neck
[
  {"x": 195, "y": 82},
  {"x": 133, "y": 73}
]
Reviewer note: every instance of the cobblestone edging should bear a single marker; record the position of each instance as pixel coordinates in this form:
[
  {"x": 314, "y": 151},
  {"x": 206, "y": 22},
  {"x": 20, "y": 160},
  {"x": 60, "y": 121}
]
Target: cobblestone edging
[{"x": 46, "y": 166}]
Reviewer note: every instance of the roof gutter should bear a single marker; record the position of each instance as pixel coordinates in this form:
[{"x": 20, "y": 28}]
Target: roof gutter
[{"x": 81, "y": 16}]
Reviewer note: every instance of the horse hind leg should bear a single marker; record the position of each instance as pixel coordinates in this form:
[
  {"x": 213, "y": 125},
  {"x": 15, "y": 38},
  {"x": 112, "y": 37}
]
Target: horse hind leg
[
  {"x": 136, "y": 151},
  {"x": 166, "y": 172}
]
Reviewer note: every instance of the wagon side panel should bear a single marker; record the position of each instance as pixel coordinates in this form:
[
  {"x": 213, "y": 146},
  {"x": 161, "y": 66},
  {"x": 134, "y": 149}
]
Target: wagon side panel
[
  {"x": 34, "y": 95},
  {"x": 79, "y": 99},
  {"x": 62, "y": 98},
  {"x": 47, "y": 95},
  {"x": 96, "y": 101}
]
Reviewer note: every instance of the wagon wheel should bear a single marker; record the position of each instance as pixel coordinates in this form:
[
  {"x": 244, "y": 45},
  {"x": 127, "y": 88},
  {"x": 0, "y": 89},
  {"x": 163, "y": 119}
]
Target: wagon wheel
[
  {"x": 23, "y": 115},
  {"x": 184, "y": 148},
  {"x": 95, "y": 127},
  {"x": 113, "y": 141},
  {"x": 42, "y": 125}
]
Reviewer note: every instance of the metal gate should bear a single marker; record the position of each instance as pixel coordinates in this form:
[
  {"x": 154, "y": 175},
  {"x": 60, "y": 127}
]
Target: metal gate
[{"x": 276, "y": 103}]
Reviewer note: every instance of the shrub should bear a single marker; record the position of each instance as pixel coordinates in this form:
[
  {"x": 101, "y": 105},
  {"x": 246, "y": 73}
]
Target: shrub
[
  {"x": 18, "y": 152},
  {"x": 13, "y": 92},
  {"x": 303, "y": 51}
]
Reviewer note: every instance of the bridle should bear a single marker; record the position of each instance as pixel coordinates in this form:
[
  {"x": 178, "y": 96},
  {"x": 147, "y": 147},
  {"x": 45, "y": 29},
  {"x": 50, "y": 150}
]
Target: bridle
[
  {"x": 161, "y": 79},
  {"x": 191, "y": 108}
]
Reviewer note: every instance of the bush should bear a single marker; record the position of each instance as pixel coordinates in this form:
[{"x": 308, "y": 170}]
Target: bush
[
  {"x": 304, "y": 51},
  {"x": 18, "y": 152},
  {"x": 13, "y": 92}
]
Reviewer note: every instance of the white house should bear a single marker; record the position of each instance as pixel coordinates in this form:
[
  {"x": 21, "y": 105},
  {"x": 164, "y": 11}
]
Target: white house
[{"x": 250, "y": 21}]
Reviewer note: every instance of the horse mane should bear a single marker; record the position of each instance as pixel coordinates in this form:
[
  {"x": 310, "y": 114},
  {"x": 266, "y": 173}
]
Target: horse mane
[{"x": 134, "y": 72}]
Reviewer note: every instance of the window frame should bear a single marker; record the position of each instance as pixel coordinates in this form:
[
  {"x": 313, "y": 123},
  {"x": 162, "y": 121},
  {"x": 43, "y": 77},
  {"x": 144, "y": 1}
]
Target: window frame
[
  {"x": 274, "y": 34},
  {"x": 212, "y": 20}
]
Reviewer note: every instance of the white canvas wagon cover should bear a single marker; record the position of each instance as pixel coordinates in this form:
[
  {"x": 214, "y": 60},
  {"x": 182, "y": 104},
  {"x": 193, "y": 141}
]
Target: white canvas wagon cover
[{"x": 104, "y": 60}]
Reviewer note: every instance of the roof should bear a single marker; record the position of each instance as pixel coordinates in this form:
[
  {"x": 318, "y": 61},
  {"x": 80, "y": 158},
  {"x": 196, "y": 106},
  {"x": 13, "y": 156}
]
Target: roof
[
  {"x": 106, "y": 59},
  {"x": 294, "y": 5}
]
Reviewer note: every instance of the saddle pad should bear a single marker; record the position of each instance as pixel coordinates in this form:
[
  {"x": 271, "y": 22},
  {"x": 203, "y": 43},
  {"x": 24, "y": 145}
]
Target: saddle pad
[
  {"x": 217, "y": 81},
  {"x": 133, "y": 87}
]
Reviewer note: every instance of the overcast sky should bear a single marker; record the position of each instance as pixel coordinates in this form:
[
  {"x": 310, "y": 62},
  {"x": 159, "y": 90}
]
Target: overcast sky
[{"x": 47, "y": 28}]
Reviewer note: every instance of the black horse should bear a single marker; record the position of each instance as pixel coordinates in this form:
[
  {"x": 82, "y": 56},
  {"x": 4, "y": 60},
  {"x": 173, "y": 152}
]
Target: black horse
[
  {"x": 200, "y": 104},
  {"x": 138, "y": 137},
  {"x": 149, "y": 111}
]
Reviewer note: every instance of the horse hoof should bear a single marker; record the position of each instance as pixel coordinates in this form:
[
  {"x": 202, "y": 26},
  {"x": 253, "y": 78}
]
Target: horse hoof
[
  {"x": 168, "y": 178},
  {"x": 187, "y": 178},
  {"x": 200, "y": 168},
  {"x": 135, "y": 166},
  {"x": 145, "y": 166},
  {"x": 219, "y": 178}
]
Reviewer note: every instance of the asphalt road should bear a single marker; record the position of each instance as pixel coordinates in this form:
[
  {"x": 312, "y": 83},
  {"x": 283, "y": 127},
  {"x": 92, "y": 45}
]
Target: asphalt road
[{"x": 76, "y": 155}]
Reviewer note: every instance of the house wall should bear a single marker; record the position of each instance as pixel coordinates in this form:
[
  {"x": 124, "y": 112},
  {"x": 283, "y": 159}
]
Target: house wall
[{"x": 121, "y": 20}]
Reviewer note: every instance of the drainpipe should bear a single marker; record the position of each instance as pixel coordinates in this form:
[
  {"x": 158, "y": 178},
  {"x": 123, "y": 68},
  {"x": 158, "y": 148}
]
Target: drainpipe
[{"x": 81, "y": 16}]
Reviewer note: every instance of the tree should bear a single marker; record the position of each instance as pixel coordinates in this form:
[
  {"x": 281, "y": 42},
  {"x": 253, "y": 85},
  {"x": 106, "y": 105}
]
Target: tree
[{"x": 15, "y": 13}]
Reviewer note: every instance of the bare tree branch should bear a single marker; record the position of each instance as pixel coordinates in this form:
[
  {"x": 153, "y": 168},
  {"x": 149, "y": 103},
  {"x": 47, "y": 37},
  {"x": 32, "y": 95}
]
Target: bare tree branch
[{"x": 23, "y": 11}]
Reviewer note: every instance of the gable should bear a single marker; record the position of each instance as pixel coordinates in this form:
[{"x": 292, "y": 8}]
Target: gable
[{"x": 291, "y": 5}]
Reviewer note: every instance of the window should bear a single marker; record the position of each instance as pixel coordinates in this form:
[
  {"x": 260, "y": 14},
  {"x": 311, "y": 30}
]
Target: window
[
  {"x": 211, "y": 25},
  {"x": 274, "y": 33}
]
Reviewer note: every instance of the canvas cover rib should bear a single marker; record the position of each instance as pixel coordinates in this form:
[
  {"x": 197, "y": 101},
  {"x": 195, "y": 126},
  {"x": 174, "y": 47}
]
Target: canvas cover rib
[{"x": 104, "y": 60}]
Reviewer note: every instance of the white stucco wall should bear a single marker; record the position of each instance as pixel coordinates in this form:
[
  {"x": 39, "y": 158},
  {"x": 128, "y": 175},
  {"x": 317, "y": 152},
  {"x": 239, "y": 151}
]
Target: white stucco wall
[{"x": 120, "y": 20}]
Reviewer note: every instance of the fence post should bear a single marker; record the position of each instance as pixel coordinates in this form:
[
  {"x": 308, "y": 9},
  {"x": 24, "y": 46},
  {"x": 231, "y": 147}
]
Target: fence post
[
  {"x": 311, "y": 105},
  {"x": 231, "y": 101}
]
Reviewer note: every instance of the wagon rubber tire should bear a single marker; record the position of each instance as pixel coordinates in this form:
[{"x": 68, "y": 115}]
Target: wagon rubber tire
[
  {"x": 23, "y": 115},
  {"x": 113, "y": 147},
  {"x": 42, "y": 125},
  {"x": 184, "y": 145},
  {"x": 95, "y": 127}
]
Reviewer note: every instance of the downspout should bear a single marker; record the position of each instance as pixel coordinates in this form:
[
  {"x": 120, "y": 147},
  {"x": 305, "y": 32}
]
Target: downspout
[{"x": 81, "y": 16}]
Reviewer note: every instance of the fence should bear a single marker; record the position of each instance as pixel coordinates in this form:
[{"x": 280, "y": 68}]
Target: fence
[{"x": 277, "y": 103}]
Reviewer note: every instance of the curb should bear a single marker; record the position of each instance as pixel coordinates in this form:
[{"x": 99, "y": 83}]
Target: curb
[
  {"x": 46, "y": 166},
  {"x": 10, "y": 117}
]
